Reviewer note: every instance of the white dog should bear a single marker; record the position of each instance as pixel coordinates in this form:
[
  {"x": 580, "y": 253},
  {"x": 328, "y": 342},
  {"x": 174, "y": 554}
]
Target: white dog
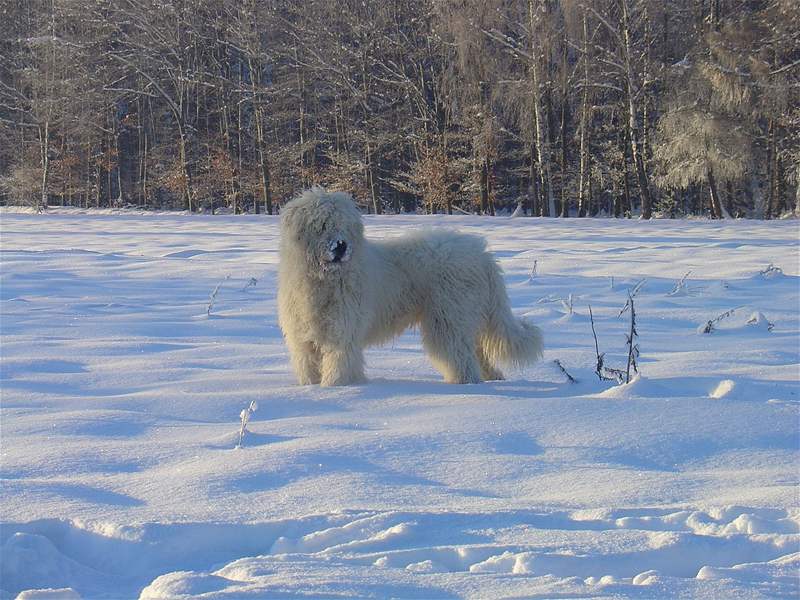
[{"x": 338, "y": 292}]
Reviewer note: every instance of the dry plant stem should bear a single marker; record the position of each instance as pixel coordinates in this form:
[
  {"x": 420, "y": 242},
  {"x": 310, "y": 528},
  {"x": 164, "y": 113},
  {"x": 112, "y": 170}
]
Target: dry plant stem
[
  {"x": 633, "y": 349},
  {"x": 599, "y": 366},
  {"x": 213, "y": 296},
  {"x": 569, "y": 377},
  {"x": 710, "y": 324}
]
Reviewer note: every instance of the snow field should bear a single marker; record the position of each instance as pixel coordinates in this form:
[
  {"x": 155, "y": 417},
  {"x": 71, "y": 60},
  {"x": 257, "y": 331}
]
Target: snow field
[{"x": 122, "y": 392}]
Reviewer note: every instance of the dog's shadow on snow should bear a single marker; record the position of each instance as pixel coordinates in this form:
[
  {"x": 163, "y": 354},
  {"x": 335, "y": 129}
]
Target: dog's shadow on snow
[{"x": 509, "y": 388}]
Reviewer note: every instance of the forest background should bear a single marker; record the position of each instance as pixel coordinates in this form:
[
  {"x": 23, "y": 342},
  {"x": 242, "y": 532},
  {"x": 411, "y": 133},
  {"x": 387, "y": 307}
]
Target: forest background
[{"x": 559, "y": 107}]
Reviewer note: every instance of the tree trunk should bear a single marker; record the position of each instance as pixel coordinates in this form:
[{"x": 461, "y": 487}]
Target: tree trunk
[
  {"x": 120, "y": 155},
  {"x": 266, "y": 188},
  {"x": 87, "y": 190},
  {"x": 239, "y": 165},
  {"x": 186, "y": 183},
  {"x": 533, "y": 185},
  {"x": 797, "y": 193},
  {"x": 729, "y": 207},
  {"x": 563, "y": 138},
  {"x": 759, "y": 209},
  {"x": 489, "y": 191},
  {"x": 779, "y": 177},
  {"x": 483, "y": 192},
  {"x": 716, "y": 204},
  {"x": 583, "y": 174},
  {"x": 109, "y": 171},
  {"x": 370, "y": 167},
  {"x": 770, "y": 207},
  {"x": 263, "y": 163},
  {"x": 584, "y": 126},
  {"x": 301, "y": 118},
  {"x": 540, "y": 123},
  {"x": 98, "y": 185},
  {"x": 44, "y": 135},
  {"x": 641, "y": 176},
  {"x": 370, "y": 177},
  {"x": 626, "y": 187}
]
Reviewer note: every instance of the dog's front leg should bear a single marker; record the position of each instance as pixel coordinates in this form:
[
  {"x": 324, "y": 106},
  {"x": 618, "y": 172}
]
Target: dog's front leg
[
  {"x": 342, "y": 365},
  {"x": 305, "y": 358}
]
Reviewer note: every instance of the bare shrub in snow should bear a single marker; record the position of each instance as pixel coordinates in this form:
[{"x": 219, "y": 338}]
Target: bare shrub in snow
[
  {"x": 245, "y": 417},
  {"x": 548, "y": 299},
  {"x": 632, "y": 294},
  {"x": 568, "y": 303},
  {"x": 600, "y": 368},
  {"x": 213, "y": 297},
  {"x": 771, "y": 271},
  {"x": 600, "y": 357},
  {"x": 710, "y": 325},
  {"x": 532, "y": 274},
  {"x": 633, "y": 346},
  {"x": 680, "y": 287}
]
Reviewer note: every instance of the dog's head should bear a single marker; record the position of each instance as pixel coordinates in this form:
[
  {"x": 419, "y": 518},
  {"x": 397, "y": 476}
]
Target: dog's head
[{"x": 325, "y": 227}]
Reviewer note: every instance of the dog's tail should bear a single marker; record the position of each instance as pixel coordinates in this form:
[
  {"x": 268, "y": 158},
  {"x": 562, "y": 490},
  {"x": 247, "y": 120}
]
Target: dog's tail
[{"x": 507, "y": 339}]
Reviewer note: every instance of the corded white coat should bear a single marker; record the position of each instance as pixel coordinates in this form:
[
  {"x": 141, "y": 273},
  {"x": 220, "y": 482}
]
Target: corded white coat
[{"x": 339, "y": 292}]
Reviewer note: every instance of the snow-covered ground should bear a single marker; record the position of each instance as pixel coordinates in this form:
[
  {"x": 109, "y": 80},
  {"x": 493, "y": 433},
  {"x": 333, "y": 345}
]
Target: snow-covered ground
[{"x": 122, "y": 393}]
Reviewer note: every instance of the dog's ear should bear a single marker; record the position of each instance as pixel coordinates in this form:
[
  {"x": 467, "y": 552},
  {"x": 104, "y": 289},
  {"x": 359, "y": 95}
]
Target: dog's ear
[{"x": 290, "y": 220}]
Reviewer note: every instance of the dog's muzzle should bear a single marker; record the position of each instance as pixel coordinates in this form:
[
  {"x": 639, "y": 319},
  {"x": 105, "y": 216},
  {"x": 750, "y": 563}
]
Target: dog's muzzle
[{"x": 338, "y": 252}]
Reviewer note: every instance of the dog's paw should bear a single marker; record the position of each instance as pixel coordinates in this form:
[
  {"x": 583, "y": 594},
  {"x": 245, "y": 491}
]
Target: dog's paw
[
  {"x": 341, "y": 380},
  {"x": 464, "y": 379}
]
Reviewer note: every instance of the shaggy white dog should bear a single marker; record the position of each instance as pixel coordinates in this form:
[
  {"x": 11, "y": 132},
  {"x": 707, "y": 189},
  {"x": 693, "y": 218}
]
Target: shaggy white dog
[{"x": 338, "y": 292}]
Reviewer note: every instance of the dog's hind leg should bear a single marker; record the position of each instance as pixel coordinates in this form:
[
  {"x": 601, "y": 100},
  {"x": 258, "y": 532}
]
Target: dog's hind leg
[
  {"x": 488, "y": 371},
  {"x": 452, "y": 351},
  {"x": 342, "y": 366}
]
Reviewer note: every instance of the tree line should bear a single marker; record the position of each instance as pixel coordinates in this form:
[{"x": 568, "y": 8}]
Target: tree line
[{"x": 560, "y": 107}]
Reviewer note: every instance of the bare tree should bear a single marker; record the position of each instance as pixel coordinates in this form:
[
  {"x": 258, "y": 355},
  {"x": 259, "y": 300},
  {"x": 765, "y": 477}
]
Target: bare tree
[{"x": 605, "y": 105}]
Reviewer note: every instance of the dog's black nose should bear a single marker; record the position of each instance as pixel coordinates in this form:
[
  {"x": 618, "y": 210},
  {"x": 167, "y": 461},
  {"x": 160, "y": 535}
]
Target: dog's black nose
[{"x": 339, "y": 250}]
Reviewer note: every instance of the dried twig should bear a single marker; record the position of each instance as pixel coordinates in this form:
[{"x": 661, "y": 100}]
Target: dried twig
[
  {"x": 213, "y": 297},
  {"x": 633, "y": 347},
  {"x": 600, "y": 357},
  {"x": 680, "y": 286},
  {"x": 601, "y": 369},
  {"x": 564, "y": 371},
  {"x": 632, "y": 294},
  {"x": 638, "y": 287},
  {"x": 532, "y": 274},
  {"x": 617, "y": 374},
  {"x": 710, "y": 325}
]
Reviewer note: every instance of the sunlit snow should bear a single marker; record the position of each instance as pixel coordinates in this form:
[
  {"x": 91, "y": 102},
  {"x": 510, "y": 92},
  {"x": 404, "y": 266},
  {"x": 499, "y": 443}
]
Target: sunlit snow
[{"x": 133, "y": 347}]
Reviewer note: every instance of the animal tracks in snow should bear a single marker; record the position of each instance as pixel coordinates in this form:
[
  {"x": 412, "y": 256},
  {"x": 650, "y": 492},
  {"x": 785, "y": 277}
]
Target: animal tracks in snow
[
  {"x": 456, "y": 552},
  {"x": 422, "y": 554}
]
